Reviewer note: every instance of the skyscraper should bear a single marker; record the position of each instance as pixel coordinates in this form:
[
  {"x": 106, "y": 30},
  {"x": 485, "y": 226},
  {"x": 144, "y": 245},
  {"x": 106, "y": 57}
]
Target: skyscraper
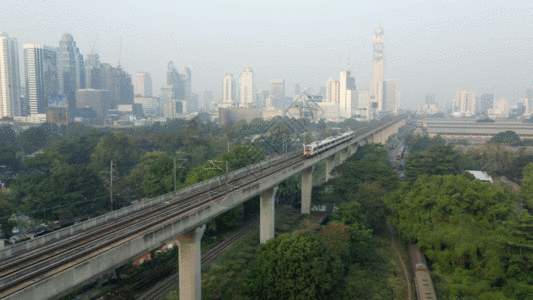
[
  {"x": 180, "y": 83},
  {"x": 115, "y": 80},
  {"x": 378, "y": 69},
  {"x": 228, "y": 90},
  {"x": 390, "y": 94},
  {"x": 529, "y": 96},
  {"x": 247, "y": 88},
  {"x": 297, "y": 89},
  {"x": 10, "y": 105},
  {"x": 333, "y": 91},
  {"x": 347, "y": 95},
  {"x": 143, "y": 85},
  {"x": 43, "y": 77},
  {"x": 72, "y": 67},
  {"x": 277, "y": 92},
  {"x": 465, "y": 103}
]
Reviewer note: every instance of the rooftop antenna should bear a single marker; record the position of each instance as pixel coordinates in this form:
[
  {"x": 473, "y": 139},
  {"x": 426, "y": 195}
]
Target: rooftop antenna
[
  {"x": 349, "y": 61},
  {"x": 93, "y": 47},
  {"x": 119, "y": 52}
]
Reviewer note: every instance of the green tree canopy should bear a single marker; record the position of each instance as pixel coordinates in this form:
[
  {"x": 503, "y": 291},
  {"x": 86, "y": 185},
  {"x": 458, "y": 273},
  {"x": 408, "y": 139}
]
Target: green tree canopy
[
  {"x": 507, "y": 137},
  {"x": 294, "y": 267},
  {"x": 455, "y": 221},
  {"x": 117, "y": 147},
  {"x": 438, "y": 160}
]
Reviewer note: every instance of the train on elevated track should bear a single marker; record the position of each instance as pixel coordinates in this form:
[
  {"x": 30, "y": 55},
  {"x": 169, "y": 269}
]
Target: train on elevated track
[{"x": 330, "y": 142}]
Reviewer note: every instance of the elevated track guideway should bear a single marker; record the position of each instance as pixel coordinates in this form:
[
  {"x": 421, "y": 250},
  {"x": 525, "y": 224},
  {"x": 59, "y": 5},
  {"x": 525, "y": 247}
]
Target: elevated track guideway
[{"x": 58, "y": 262}]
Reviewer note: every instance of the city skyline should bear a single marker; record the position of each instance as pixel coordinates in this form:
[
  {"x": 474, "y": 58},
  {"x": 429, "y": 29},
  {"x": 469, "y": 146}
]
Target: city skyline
[{"x": 427, "y": 49}]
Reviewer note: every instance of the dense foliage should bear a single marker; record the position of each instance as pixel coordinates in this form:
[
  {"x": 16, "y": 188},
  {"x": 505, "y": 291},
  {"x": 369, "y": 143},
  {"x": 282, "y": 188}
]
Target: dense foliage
[
  {"x": 294, "y": 267},
  {"x": 437, "y": 160},
  {"x": 467, "y": 229}
]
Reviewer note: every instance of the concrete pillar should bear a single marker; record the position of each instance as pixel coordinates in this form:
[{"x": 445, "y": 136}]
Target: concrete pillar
[
  {"x": 190, "y": 269},
  {"x": 267, "y": 217},
  {"x": 307, "y": 189},
  {"x": 330, "y": 164},
  {"x": 1, "y": 244},
  {"x": 344, "y": 154}
]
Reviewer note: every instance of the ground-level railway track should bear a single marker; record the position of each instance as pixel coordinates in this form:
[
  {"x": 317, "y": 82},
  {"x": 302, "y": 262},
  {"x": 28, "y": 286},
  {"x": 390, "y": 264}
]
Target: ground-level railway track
[{"x": 87, "y": 244}]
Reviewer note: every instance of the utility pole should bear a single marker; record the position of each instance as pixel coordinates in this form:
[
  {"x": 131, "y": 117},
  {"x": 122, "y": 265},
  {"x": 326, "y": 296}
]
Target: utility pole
[
  {"x": 174, "y": 174},
  {"x": 111, "y": 189},
  {"x": 227, "y": 179}
]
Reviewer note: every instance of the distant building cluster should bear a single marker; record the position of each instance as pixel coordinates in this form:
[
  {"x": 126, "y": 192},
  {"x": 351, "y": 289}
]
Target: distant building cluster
[
  {"x": 60, "y": 85},
  {"x": 338, "y": 100}
]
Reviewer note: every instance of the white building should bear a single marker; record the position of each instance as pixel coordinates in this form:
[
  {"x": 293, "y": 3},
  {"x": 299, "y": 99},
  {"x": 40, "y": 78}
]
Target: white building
[
  {"x": 228, "y": 91},
  {"x": 143, "y": 85},
  {"x": 247, "y": 88},
  {"x": 333, "y": 91},
  {"x": 391, "y": 95},
  {"x": 347, "y": 95},
  {"x": 10, "y": 104},
  {"x": 464, "y": 103}
]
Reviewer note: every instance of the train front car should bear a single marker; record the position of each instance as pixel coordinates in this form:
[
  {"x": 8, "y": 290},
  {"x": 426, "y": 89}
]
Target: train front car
[{"x": 310, "y": 150}]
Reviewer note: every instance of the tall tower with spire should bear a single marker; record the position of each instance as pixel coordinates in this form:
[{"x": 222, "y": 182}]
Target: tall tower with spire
[{"x": 378, "y": 68}]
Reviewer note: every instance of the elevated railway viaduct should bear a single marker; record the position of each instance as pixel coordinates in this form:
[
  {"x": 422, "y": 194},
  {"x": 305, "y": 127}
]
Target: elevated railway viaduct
[{"x": 49, "y": 266}]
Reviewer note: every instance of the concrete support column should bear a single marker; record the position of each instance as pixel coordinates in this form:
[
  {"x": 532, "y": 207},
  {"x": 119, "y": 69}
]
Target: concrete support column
[
  {"x": 344, "y": 154},
  {"x": 307, "y": 189},
  {"x": 353, "y": 149},
  {"x": 1, "y": 244},
  {"x": 330, "y": 164},
  {"x": 190, "y": 269},
  {"x": 266, "y": 217}
]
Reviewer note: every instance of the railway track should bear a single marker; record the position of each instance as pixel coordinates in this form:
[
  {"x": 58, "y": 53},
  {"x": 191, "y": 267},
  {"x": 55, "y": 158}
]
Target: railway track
[
  {"x": 165, "y": 286},
  {"x": 23, "y": 269},
  {"x": 15, "y": 272}
]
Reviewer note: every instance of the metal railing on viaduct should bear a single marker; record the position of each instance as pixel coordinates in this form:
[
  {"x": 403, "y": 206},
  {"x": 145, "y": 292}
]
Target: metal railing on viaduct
[{"x": 49, "y": 266}]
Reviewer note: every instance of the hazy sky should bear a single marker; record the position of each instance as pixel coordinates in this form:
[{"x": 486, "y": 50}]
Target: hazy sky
[{"x": 430, "y": 46}]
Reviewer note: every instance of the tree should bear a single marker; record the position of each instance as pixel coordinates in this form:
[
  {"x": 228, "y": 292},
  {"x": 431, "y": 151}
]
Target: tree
[
  {"x": 294, "y": 267},
  {"x": 33, "y": 139},
  {"x": 337, "y": 238},
  {"x": 526, "y": 191},
  {"x": 508, "y": 137},
  {"x": 6, "y": 226},
  {"x": 438, "y": 160},
  {"x": 455, "y": 220},
  {"x": 118, "y": 148},
  {"x": 351, "y": 215}
]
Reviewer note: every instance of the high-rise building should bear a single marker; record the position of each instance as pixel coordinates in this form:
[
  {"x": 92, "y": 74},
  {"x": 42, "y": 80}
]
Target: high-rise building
[
  {"x": 333, "y": 92},
  {"x": 347, "y": 95},
  {"x": 179, "y": 83},
  {"x": 143, "y": 85},
  {"x": 378, "y": 69},
  {"x": 10, "y": 102},
  {"x": 115, "y": 80},
  {"x": 247, "y": 88},
  {"x": 72, "y": 67},
  {"x": 228, "y": 91},
  {"x": 43, "y": 77},
  {"x": 529, "y": 96},
  {"x": 464, "y": 103},
  {"x": 486, "y": 101},
  {"x": 390, "y": 95},
  {"x": 277, "y": 92},
  {"x": 297, "y": 89}
]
